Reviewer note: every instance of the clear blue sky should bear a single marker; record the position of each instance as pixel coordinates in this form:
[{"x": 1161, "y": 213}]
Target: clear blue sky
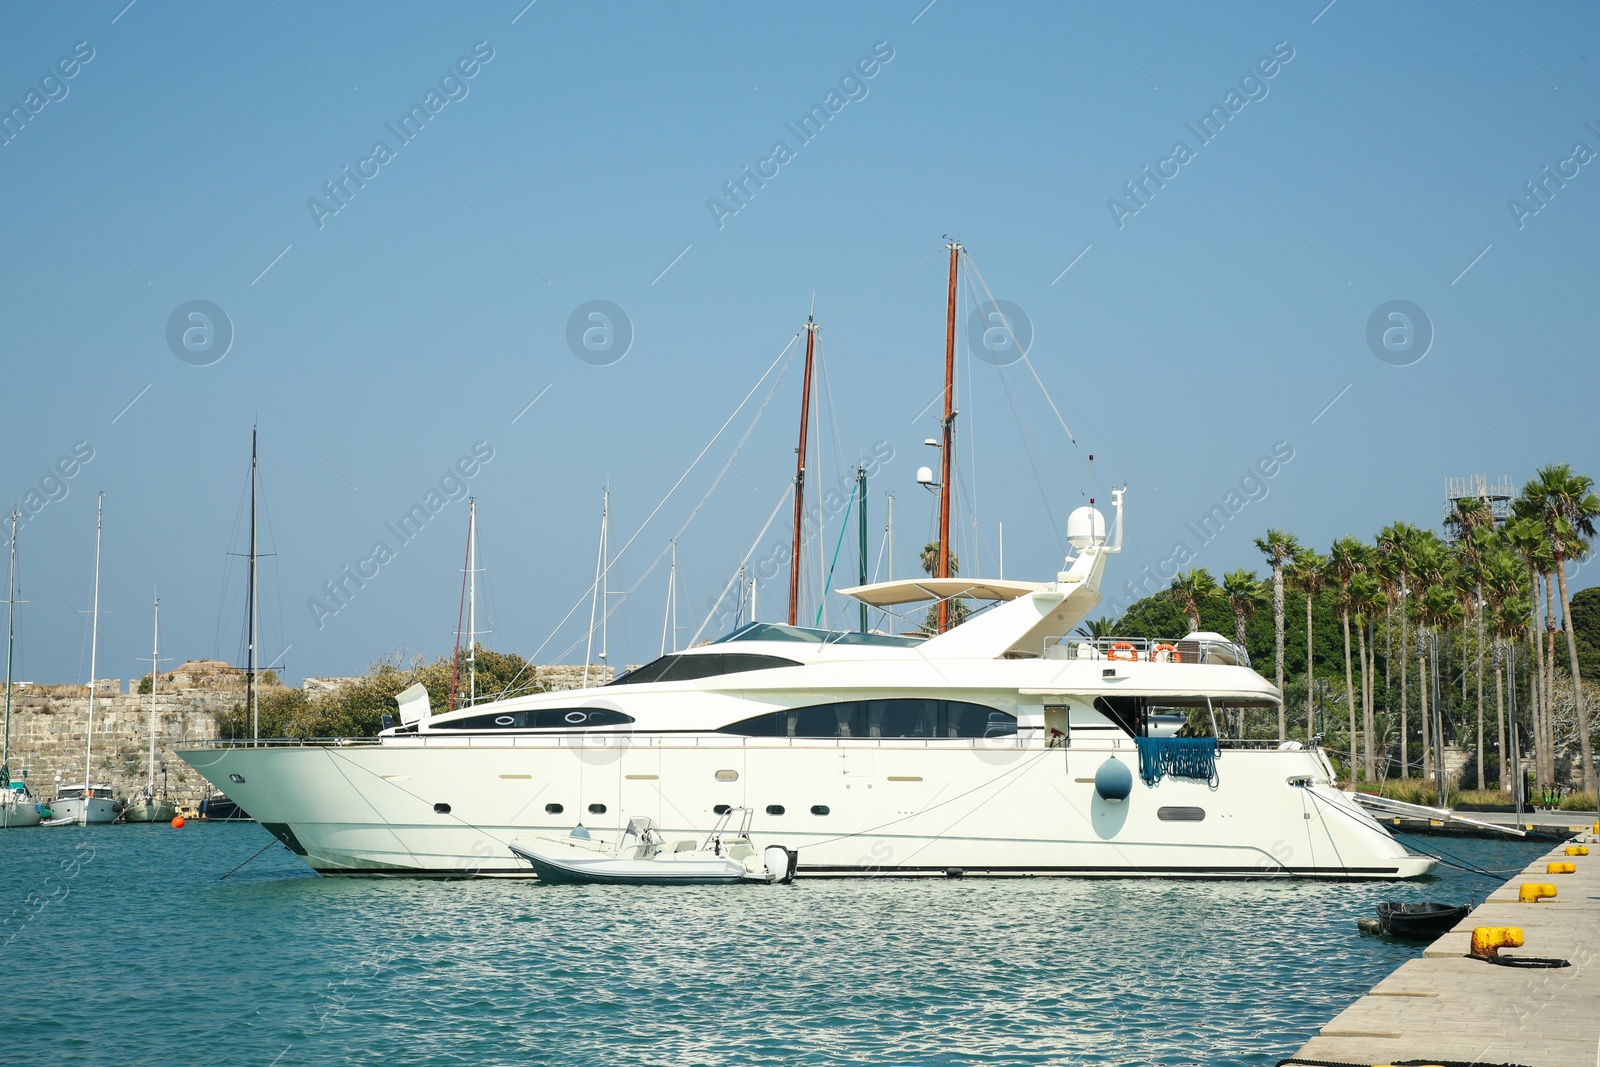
[{"x": 377, "y": 344}]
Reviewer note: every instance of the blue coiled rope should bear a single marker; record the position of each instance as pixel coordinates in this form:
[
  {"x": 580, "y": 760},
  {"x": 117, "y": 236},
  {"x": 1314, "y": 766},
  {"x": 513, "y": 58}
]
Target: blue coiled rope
[{"x": 1181, "y": 757}]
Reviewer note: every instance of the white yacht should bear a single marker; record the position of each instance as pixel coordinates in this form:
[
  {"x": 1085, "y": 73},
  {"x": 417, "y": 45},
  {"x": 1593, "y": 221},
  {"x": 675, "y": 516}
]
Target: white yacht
[{"x": 1002, "y": 746}]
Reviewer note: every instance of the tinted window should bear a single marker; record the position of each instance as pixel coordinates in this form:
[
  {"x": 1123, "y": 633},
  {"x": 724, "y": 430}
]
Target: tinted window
[
  {"x": 705, "y": 665},
  {"x": 903, "y": 717},
  {"x": 545, "y": 719},
  {"x": 819, "y": 809},
  {"x": 723, "y": 809},
  {"x": 553, "y": 809},
  {"x": 774, "y": 809},
  {"x": 597, "y": 809}
]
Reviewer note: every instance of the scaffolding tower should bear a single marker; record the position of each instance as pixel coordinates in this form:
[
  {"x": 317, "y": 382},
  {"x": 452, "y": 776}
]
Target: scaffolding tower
[{"x": 1496, "y": 495}]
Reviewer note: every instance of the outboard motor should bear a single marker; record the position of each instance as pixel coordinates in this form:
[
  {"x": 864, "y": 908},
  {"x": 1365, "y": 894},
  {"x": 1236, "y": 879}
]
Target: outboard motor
[{"x": 781, "y": 863}]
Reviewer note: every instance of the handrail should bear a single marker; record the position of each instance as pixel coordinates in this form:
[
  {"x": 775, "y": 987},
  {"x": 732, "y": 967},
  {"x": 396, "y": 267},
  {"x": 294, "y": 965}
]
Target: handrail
[{"x": 1147, "y": 649}]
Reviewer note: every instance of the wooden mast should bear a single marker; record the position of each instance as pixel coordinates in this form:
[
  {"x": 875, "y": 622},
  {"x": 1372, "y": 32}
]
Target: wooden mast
[
  {"x": 800, "y": 472},
  {"x": 949, "y": 432}
]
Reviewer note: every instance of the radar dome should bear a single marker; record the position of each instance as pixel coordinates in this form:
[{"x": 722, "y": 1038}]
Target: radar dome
[{"x": 1085, "y": 527}]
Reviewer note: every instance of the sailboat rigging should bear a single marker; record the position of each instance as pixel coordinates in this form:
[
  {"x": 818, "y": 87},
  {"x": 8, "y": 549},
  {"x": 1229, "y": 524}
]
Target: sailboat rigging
[
  {"x": 17, "y": 805},
  {"x": 86, "y": 803}
]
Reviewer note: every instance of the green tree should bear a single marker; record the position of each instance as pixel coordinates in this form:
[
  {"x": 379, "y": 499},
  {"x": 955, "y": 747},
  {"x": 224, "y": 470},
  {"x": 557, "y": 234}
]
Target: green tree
[
  {"x": 1279, "y": 547},
  {"x": 1567, "y": 506},
  {"x": 1305, "y": 574},
  {"x": 1190, "y": 590}
]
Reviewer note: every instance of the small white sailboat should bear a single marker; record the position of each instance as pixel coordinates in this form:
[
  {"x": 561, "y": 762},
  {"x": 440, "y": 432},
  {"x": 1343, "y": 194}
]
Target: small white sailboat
[
  {"x": 640, "y": 856},
  {"x": 18, "y": 807},
  {"x": 87, "y": 802},
  {"x": 148, "y": 806}
]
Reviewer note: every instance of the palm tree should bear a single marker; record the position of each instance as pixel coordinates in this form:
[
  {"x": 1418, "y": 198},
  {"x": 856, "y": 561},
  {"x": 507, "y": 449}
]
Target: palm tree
[
  {"x": 1305, "y": 574},
  {"x": 1346, "y": 558},
  {"x": 1190, "y": 590},
  {"x": 1097, "y": 629},
  {"x": 1279, "y": 548},
  {"x": 1568, "y": 506},
  {"x": 1365, "y": 598},
  {"x": 929, "y": 559},
  {"x": 1245, "y": 593},
  {"x": 1429, "y": 565},
  {"x": 1502, "y": 584},
  {"x": 1437, "y": 609},
  {"x": 1396, "y": 542},
  {"x": 1473, "y": 523},
  {"x": 1526, "y": 535}
]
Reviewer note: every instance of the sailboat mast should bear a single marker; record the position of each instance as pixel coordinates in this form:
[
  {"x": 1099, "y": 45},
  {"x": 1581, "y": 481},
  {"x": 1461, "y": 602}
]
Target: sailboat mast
[
  {"x": 605, "y": 578},
  {"x": 800, "y": 470},
  {"x": 949, "y": 434},
  {"x": 669, "y": 619},
  {"x": 472, "y": 601},
  {"x": 155, "y": 664},
  {"x": 861, "y": 535},
  {"x": 250, "y": 694},
  {"x": 11, "y": 646},
  {"x": 94, "y": 647}
]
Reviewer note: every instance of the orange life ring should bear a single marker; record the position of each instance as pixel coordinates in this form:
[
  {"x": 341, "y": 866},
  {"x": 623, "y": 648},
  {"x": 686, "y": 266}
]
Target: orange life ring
[
  {"x": 1123, "y": 646},
  {"x": 1177, "y": 657}
]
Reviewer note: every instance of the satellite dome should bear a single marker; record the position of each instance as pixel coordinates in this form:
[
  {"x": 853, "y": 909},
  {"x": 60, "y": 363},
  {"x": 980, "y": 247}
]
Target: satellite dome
[{"x": 1085, "y": 527}]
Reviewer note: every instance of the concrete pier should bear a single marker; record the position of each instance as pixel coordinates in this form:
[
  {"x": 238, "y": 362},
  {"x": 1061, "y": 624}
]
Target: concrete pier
[{"x": 1448, "y": 1008}]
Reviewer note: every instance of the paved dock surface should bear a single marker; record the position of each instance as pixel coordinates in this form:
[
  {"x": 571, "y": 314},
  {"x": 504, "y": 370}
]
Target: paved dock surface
[{"x": 1447, "y": 1008}]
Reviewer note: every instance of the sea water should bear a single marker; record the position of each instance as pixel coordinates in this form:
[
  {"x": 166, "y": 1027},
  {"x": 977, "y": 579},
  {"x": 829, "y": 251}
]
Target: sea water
[{"x": 124, "y": 945}]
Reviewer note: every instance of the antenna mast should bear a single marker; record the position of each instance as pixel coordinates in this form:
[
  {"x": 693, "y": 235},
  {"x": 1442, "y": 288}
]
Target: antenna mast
[
  {"x": 800, "y": 470},
  {"x": 949, "y": 434},
  {"x": 155, "y": 667}
]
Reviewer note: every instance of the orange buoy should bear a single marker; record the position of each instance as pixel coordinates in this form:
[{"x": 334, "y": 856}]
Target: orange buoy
[{"x": 178, "y": 822}]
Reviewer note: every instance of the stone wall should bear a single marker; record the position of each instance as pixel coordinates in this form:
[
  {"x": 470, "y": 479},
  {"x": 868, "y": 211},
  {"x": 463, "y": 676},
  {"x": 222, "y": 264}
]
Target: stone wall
[{"x": 49, "y": 724}]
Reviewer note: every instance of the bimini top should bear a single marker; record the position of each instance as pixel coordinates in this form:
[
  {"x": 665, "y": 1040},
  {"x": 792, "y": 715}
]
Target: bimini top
[{"x": 913, "y": 590}]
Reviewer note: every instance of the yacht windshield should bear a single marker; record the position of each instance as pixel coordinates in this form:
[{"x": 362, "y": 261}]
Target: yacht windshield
[
  {"x": 766, "y": 631},
  {"x": 686, "y": 668}
]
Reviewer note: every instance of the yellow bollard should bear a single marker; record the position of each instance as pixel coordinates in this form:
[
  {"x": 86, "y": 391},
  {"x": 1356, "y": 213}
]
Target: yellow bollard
[
  {"x": 1487, "y": 941},
  {"x": 1533, "y": 892},
  {"x": 1577, "y": 850},
  {"x": 1560, "y": 868}
]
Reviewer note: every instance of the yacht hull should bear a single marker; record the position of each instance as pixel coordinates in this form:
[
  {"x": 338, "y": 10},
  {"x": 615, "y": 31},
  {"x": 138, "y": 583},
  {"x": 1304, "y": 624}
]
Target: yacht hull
[{"x": 1007, "y": 807}]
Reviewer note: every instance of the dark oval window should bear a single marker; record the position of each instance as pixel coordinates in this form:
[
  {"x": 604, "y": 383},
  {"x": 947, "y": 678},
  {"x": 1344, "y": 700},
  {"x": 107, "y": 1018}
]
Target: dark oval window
[
  {"x": 505, "y": 720},
  {"x": 819, "y": 809},
  {"x": 1181, "y": 814},
  {"x": 237, "y": 779},
  {"x": 597, "y": 809},
  {"x": 774, "y": 809},
  {"x": 442, "y": 809},
  {"x": 577, "y": 716},
  {"x": 722, "y": 809},
  {"x": 553, "y": 809}
]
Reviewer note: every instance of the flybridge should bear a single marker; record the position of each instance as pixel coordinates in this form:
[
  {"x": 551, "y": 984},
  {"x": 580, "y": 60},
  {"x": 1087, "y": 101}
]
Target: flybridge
[{"x": 1028, "y": 613}]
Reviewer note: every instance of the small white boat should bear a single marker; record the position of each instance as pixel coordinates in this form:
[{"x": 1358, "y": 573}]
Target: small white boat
[
  {"x": 18, "y": 807},
  {"x": 79, "y": 804},
  {"x": 642, "y": 857}
]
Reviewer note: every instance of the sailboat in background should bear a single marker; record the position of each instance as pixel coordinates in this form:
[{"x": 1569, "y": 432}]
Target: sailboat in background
[
  {"x": 17, "y": 805},
  {"x": 147, "y": 806},
  {"x": 87, "y": 802}
]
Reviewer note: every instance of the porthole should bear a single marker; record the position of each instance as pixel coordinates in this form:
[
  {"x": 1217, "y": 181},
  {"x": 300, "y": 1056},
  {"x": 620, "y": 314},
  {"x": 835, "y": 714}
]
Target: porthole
[
  {"x": 576, "y": 717},
  {"x": 504, "y": 720},
  {"x": 819, "y": 809},
  {"x": 1181, "y": 814},
  {"x": 774, "y": 809},
  {"x": 441, "y": 809},
  {"x": 237, "y": 779},
  {"x": 727, "y": 776},
  {"x": 597, "y": 809},
  {"x": 722, "y": 809},
  {"x": 553, "y": 809}
]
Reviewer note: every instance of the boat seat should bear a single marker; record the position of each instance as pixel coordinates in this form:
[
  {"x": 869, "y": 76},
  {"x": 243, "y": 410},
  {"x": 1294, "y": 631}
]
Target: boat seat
[{"x": 684, "y": 846}]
